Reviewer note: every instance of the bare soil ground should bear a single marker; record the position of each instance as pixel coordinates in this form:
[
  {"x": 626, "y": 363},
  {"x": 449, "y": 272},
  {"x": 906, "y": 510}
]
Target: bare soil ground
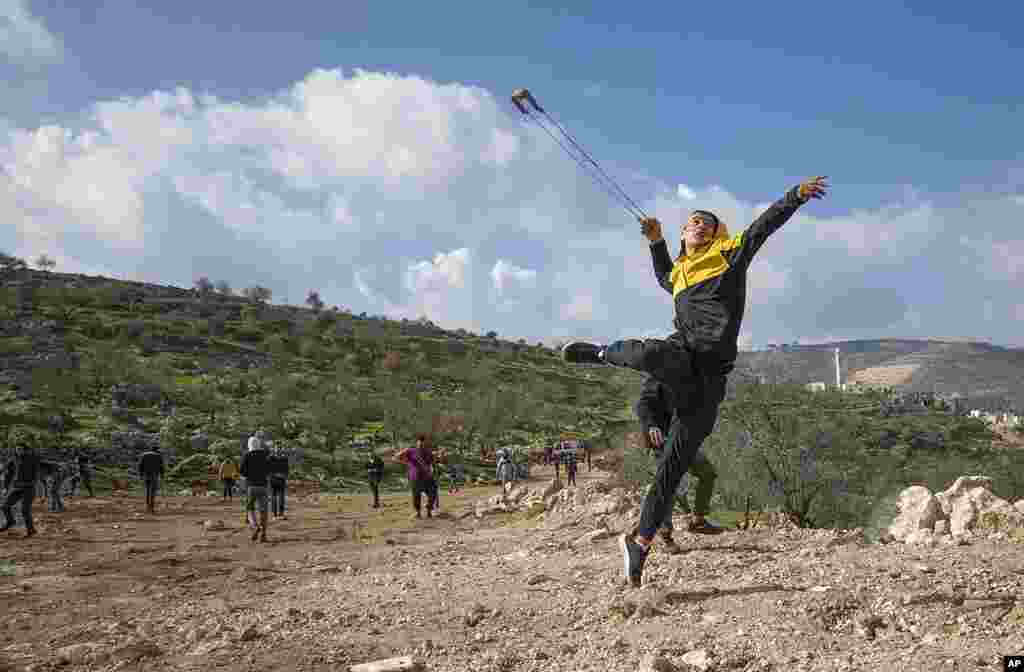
[{"x": 106, "y": 587}]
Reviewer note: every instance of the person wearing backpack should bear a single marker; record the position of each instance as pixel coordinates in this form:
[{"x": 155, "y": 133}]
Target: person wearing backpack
[
  {"x": 375, "y": 474},
  {"x": 228, "y": 475}
]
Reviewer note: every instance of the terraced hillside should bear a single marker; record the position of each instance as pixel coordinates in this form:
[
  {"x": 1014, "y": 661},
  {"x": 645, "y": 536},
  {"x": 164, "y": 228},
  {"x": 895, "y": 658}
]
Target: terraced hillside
[{"x": 985, "y": 373}]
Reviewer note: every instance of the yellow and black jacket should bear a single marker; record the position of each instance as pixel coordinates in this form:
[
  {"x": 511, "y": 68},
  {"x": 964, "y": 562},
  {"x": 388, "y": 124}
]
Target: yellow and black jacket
[{"x": 709, "y": 285}]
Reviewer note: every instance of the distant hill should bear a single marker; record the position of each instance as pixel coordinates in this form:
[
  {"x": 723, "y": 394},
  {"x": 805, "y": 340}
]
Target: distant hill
[{"x": 990, "y": 376}]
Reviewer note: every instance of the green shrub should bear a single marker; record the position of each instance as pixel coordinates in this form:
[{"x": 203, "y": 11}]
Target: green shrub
[
  {"x": 248, "y": 334},
  {"x": 96, "y": 328}
]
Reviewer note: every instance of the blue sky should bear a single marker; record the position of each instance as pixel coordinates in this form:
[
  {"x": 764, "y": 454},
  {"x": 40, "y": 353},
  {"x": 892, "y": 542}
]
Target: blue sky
[{"x": 368, "y": 150}]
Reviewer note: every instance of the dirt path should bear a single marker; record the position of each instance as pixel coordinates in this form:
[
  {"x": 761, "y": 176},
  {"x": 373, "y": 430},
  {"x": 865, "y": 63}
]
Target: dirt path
[{"x": 106, "y": 588}]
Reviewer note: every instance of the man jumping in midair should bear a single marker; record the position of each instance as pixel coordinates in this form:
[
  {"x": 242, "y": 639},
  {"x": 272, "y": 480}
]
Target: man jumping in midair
[{"x": 708, "y": 282}]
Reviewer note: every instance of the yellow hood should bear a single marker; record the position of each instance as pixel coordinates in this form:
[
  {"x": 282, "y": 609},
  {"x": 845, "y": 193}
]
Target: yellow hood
[{"x": 721, "y": 235}]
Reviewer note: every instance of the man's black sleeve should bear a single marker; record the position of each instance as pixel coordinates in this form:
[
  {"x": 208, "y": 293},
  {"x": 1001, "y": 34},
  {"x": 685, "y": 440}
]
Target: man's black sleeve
[
  {"x": 662, "y": 264},
  {"x": 245, "y": 466},
  {"x": 777, "y": 214},
  {"x": 161, "y": 458}
]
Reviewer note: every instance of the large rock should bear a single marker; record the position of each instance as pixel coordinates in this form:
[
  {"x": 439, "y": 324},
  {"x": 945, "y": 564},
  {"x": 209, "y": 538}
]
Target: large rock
[
  {"x": 979, "y": 509},
  {"x": 1019, "y": 505},
  {"x": 959, "y": 487},
  {"x": 918, "y": 509}
]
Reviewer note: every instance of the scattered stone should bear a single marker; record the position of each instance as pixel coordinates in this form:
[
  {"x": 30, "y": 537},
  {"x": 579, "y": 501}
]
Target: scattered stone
[
  {"x": 75, "y": 654},
  {"x": 213, "y": 525},
  {"x": 250, "y": 633},
  {"x": 655, "y": 663},
  {"x": 867, "y": 624},
  {"x": 592, "y": 537},
  {"x": 474, "y": 614},
  {"x": 698, "y": 659},
  {"x": 401, "y": 664},
  {"x": 136, "y": 651}
]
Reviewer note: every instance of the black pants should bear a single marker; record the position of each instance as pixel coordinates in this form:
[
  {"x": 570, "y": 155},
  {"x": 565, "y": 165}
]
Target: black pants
[
  {"x": 704, "y": 471},
  {"x": 277, "y": 494},
  {"x": 25, "y": 495},
  {"x": 433, "y": 494},
  {"x": 375, "y": 489},
  {"x": 151, "y": 484},
  {"x": 420, "y": 488},
  {"x": 570, "y": 474},
  {"x": 696, "y": 394},
  {"x": 229, "y": 488}
]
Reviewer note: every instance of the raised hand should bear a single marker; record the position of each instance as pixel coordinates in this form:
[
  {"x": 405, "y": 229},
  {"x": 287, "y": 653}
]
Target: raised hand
[
  {"x": 816, "y": 187},
  {"x": 651, "y": 228}
]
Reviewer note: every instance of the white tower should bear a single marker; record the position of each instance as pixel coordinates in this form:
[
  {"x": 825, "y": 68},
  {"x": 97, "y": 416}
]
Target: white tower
[{"x": 839, "y": 381}]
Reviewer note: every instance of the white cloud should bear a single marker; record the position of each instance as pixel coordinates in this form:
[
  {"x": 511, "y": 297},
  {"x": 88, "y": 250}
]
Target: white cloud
[
  {"x": 508, "y": 278},
  {"x": 686, "y": 193},
  {"x": 890, "y": 231},
  {"x": 403, "y": 196},
  {"x": 1009, "y": 257},
  {"x": 447, "y": 270},
  {"x": 580, "y": 308},
  {"x": 24, "y": 39}
]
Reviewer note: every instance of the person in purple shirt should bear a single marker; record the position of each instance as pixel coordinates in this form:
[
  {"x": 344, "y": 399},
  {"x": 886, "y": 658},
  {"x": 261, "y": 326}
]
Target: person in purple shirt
[{"x": 419, "y": 469}]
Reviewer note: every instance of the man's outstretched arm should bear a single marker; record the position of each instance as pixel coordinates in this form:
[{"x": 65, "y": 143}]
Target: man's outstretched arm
[
  {"x": 651, "y": 228},
  {"x": 777, "y": 214}
]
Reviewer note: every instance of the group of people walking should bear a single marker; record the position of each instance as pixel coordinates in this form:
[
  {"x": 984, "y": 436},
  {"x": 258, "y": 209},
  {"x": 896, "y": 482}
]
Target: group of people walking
[
  {"x": 265, "y": 468},
  {"x": 27, "y": 476}
]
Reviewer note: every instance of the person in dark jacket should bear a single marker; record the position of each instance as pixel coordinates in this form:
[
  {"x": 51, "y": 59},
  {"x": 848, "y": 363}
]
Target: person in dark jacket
[
  {"x": 256, "y": 471},
  {"x": 53, "y": 474},
  {"x": 375, "y": 474},
  {"x": 84, "y": 476},
  {"x": 278, "y": 481},
  {"x": 569, "y": 458},
  {"x": 22, "y": 474},
  {"x": 419, "y": 466},
  {"x": 151, "y": 469},
  {"x": 708, "y": 283},
  {"x": 654, "y": 409}
]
